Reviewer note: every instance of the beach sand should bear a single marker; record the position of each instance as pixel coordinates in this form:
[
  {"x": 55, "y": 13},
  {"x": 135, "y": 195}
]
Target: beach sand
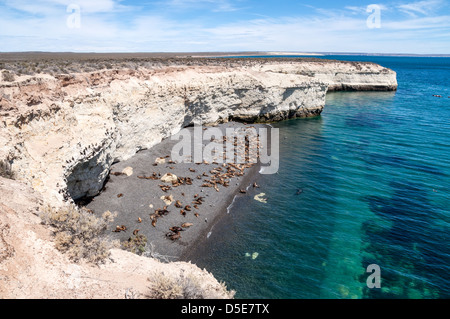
[{"x": 136, "y": 199}]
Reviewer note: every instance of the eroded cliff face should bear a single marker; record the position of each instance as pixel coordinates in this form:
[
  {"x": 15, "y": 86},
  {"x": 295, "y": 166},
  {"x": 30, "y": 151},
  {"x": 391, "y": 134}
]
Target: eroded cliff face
[{"x": 62, "y": 133}]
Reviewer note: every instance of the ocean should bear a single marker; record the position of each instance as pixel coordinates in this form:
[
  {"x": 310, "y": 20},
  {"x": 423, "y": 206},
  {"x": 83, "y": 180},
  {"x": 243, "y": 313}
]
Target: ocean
[{"x": 366, "y": 183}]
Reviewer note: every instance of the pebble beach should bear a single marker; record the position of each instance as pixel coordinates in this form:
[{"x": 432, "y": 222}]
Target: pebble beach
[{"x": 172, "y": 205}]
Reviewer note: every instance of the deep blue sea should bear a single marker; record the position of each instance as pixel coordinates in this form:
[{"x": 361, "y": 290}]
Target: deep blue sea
[{"x": 374, "y": 170}]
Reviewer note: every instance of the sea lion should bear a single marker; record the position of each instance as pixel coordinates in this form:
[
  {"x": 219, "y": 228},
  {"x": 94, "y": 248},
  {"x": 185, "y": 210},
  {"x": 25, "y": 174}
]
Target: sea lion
[
  {"x": 139, "y": 220},
  {"x": 242, "y": 191},
  {"x": 120, "y": 228},
  {"x": 186, "y": 225},
  {"x": 176, "y": 229},
  {"x": 178, "y": 204},
  {"x": 182, "y": 212},
  {"x": 188, "y": 208},
  {"x": 175, "y": 236},
  {"x": 117, "y": 173},
  {"x": 299, "y": 191},
  {"x": 135, "y": 232},
  {"x": 165, "y": 188}
]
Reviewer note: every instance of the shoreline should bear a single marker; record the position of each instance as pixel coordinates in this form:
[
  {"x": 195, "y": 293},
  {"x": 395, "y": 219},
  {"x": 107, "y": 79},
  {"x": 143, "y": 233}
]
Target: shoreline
[
  {"x": 221, "y": 214},
  {"x": 141, "y": 198}
]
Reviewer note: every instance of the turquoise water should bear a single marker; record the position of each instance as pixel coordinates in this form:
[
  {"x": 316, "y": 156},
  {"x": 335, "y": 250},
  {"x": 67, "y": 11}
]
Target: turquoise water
[{"x": 374, "y": 170}]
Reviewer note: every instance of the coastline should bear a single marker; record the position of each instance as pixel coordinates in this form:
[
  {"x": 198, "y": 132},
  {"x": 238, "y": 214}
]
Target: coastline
[
  {"x": 221, "y": 214},
  {"x": 140, "y": 198}
]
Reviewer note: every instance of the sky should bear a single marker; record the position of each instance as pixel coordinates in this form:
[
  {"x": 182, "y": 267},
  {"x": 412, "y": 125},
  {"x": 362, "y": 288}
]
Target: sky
[{"x": 418, "y": 27}]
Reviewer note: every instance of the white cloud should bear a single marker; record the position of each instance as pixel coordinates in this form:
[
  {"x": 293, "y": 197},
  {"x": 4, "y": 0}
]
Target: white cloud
[
  {"x": 43, "y": 27},
  {"x": 425, "y": 7},
  {"x": 50, "y": 7},
  {"x": 213, "y": 5}
]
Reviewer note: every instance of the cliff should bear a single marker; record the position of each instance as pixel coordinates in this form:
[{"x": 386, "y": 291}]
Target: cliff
[{"x": 62, "y": 133}]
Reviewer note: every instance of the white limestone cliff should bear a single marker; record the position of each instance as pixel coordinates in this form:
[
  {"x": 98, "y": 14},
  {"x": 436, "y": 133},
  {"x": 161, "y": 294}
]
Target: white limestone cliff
[{"x": 62, "y": 133}]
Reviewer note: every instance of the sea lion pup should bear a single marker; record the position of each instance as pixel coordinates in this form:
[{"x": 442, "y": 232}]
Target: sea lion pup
[
  {"x": 117, "y": 173},
  {"x": 178, "y": 204},
  {"x": 174, "y": 236},
  {"x": 119, "y": 195},
  {"x": 120, "y": 228}
]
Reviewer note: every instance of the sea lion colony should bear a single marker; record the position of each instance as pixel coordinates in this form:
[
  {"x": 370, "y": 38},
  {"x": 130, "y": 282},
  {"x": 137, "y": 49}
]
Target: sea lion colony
[{"x": 219, "y": 175}]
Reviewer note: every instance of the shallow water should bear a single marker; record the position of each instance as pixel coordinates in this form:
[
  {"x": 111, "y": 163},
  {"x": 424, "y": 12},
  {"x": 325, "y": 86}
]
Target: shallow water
[{"x": 374, "y": 170}]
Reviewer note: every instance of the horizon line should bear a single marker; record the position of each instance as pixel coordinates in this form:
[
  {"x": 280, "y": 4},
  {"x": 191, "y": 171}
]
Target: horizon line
[{"x": 268, "y": 53}]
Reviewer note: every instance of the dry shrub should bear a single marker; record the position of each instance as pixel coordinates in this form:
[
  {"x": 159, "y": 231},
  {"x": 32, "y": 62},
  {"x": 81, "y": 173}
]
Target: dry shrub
[
  {"x": 78, "y": 233},
  {"x": 6, "y": 170},
  {"x": 8, "y": 76},
  {"x": 136, "y": 244},
  {"x": 183, "y": 286}
]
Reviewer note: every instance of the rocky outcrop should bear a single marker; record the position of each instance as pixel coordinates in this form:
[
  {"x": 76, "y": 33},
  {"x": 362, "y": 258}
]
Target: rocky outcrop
[{"x": 62, "y": 133}]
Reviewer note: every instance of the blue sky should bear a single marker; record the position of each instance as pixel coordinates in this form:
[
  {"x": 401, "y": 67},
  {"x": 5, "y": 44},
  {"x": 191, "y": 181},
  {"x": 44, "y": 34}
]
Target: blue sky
[{"x": 225, "y": 25}]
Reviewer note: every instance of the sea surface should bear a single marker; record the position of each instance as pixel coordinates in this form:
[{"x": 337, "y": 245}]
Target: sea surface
[{"x": 367, "y": 182}]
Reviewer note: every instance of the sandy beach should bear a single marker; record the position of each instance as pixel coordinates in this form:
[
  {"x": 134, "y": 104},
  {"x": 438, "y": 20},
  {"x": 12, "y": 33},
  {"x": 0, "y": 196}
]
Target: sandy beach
[{"x": 137, "y": 199}]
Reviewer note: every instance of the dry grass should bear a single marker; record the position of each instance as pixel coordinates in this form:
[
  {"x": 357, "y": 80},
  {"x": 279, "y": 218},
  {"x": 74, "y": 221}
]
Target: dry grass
[{"x": 78, "y": 233}]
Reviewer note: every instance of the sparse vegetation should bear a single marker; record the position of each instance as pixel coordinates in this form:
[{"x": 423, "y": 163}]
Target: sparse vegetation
[
  {"x": 67, "y": 63},
  {"x": 78, "y": 233},
  {"x": 184, "y": 286},
  {"x": 6, "y": 170},
  {"x": 8, "y": 76},
  {"x": 136, "y": 244}
]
